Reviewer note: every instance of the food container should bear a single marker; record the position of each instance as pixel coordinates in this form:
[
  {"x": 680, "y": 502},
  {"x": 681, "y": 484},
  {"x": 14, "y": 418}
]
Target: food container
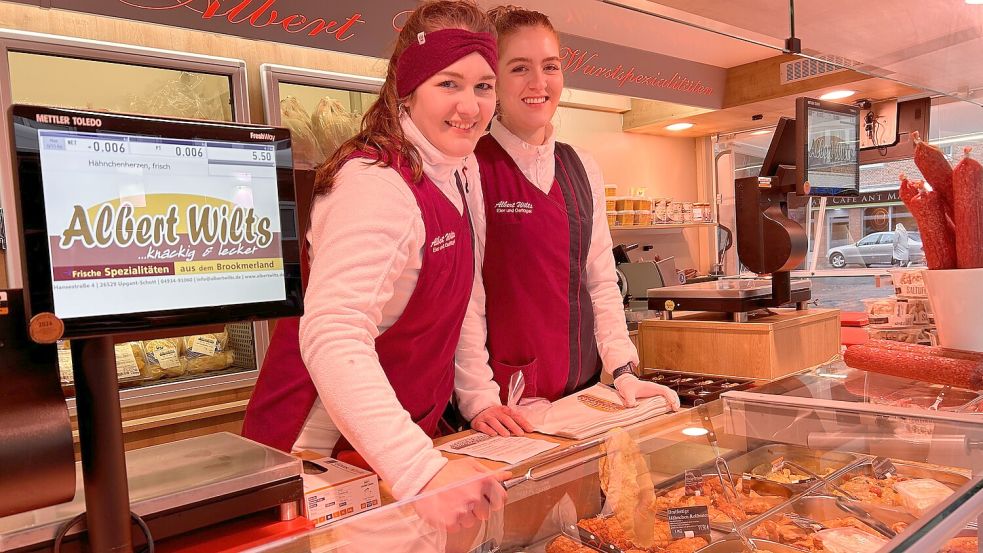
[
  {"x": 643, "y": 217},
  {"x": 905, "y": 470},
  {"x": 768, "y": 495},
  {"x": 626, "y": 218},
  {"x": 701, "y": 213},
  {"x": 957, "y": 306},
  {"x": 687, "y": 212},
  {"x": 610, "y": 190},
  {"x": 612, "y": 218},
  {"x": 763, "y": 461},
  {"x": 660, "y": 210},
  {"x": 912, "y": 311},
  {"x": 675, "y": 210},
  {"x": 909, "y": 283},
  {"x": 643, "y": 204},
  {"x": 850, "y": 540},
  {"x": 907, "y": 335},
  {"x": 610, "y": 204},
  {"x": 879, "y": 310},
  {"x": 624, "y": 203},
  {"x": 920, "y": 495},
  {"x": 736, "y": 546},
  {"x": 924, "y": 397}
]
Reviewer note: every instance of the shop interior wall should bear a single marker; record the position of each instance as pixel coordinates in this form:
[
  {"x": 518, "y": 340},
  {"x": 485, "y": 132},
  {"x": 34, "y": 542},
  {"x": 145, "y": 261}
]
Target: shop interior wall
[{"x": 666, "y": 167}]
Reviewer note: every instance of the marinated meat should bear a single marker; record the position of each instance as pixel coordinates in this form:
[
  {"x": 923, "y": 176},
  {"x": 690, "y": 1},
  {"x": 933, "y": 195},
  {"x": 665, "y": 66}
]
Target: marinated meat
[{"x": 961, "y": 545}]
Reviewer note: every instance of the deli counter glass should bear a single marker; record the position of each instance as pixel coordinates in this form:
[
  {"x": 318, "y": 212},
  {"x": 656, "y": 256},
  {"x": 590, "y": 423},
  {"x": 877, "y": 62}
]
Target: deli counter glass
[{"x": 733, "y": 475}]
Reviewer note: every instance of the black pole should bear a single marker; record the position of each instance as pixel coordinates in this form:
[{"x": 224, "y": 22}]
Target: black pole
[{"x": 107, "y": 499}]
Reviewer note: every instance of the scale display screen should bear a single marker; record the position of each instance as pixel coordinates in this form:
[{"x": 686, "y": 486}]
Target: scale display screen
[{"x": 135, "y": 222}]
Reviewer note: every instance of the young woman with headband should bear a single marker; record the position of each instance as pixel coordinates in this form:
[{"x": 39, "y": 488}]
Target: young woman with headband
[
  {"x": 546, "y": 302},
  {"x": 391, "y": 266}
]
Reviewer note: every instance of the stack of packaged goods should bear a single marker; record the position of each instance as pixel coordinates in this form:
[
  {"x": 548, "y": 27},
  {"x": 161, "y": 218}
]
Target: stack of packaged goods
[
  {"x": 161, "y": 358},
  {"x": 905, "y": 317},
  {"x": 611, "y": 201}
]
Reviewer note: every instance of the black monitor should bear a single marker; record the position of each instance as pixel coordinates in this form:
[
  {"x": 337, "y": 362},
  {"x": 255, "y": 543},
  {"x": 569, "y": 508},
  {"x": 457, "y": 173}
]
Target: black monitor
[
  {"x": 132, "y": 223},
  {"x": 827, "y": 148}
]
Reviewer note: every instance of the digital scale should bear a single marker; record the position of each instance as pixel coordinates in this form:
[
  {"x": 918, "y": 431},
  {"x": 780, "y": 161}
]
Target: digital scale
[{"x": 738, "y": 297}]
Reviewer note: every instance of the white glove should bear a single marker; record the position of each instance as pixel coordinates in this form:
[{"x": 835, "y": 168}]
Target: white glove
[{"x": 631, "y": 389}]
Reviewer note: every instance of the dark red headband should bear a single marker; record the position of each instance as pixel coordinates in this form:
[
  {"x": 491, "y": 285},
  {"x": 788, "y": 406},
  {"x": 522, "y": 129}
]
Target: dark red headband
[{"x": 430, "y": 53}]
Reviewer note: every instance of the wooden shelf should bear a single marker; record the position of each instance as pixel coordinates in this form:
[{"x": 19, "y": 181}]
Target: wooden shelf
[{"x": 663, "y": 227}]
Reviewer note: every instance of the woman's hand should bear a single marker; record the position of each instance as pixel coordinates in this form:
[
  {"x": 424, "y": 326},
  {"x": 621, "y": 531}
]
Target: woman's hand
[
  {"x": 501, "y": 421},
  {"x": 463, "y": 493},
  {"x": 631, "y": 389}
]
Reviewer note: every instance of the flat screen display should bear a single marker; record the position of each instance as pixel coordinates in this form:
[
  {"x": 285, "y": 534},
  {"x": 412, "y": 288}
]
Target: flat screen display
[
  {"x": 137, "y": 222},
  {"x": 828, "y": 148}
]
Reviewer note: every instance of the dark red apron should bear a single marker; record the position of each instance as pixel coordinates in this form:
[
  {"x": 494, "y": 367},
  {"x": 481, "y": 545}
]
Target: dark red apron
[
  {"x": 539, "y": 313},
  {"x": 416, "y": 352}
]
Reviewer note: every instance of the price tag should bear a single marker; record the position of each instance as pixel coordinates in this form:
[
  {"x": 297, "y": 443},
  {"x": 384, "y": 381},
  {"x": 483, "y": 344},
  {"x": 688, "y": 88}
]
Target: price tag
[
  {"x": 4, "y": 306},
  {"x": 694, "y": 482},
  {"x": 65, "y": 366},
  {"x": 167, "y": 358},
  {"x": 689, "y": 522},
  {"x": 883, "y": 467},
  {"x": 204, "y": 345},
  {"x": 126, "y": 362}
]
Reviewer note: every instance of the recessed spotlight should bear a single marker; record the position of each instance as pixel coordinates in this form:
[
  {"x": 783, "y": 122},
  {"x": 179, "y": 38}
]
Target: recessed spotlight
[
  {"x": 679, "y": 126},
  {"x": 695, "y": 431},
  {"x": 837, "y": 94}
]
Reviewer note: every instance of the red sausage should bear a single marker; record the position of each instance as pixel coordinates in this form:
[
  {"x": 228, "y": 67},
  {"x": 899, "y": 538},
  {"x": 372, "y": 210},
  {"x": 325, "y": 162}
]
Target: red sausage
[
  {"x": 936, "y": 170},
  {"x": 967, "y": 186},
  {"x": 934, "y": 351},
  {"x": 915, "y": 366},
  {"x": 938, "y": 241}
]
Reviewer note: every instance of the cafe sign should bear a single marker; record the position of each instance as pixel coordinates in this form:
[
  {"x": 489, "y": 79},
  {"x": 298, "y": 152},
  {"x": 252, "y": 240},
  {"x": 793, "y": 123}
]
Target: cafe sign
[{"x": 369, "y": 27}]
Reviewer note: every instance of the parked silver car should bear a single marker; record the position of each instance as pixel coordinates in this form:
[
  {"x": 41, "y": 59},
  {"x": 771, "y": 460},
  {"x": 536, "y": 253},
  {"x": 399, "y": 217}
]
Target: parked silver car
[{"x": 875, "y": 249}]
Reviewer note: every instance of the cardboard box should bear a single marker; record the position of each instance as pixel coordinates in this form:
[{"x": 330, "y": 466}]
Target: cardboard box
[{"x": 334, "y": 490}]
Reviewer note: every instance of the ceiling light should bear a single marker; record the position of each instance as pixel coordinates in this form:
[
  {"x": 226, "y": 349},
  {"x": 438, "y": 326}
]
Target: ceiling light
[
  {"x": 695, "y": 431},
  {"x": 679, "y": 126},
  {"x": 837, "y": 94},
  {"x": 761, "y": 132},
  {"x": 974, "y": 1}
]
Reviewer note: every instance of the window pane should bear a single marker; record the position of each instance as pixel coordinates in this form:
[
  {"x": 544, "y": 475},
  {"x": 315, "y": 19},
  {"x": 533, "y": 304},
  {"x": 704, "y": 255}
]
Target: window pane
[
  {"x": 321, "y": 119},
  {"x": 99, "y": 85}
]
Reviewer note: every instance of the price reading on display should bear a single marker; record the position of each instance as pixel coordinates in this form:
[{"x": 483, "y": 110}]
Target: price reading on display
[
  {"x": 214, "y": 153},
  {"x": 189, "y": 151}
]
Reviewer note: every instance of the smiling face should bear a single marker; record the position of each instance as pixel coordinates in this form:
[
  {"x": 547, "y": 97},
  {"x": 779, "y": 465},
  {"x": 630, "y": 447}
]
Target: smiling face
[
  {"x": 453, "y": 108},
  {"x": 530, "y": 81}
]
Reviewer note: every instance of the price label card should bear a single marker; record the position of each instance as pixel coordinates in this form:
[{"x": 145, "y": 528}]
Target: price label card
[
  {"x": 4, "y": 306},
  {"x": 689, "y": 522},
  {"x": 204, "y": 345},
  {"x": 883, "y": 467},
  {"x": 65, "y": 366},
  {"x": 694, "y": 482},
  {"x": 167, "y": 358},
  {"x": 126, "y": 362}
]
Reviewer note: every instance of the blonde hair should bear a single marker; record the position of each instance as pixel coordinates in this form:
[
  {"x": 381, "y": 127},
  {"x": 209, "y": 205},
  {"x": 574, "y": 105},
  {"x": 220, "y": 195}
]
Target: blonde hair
[{"x": 510, "y": 19}]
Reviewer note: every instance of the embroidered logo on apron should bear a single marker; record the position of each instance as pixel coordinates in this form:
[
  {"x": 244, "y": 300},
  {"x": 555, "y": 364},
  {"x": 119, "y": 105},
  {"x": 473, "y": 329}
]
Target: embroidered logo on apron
[
  {"x": 521, "y": 208},
  {"x": 443, "y": 242}
]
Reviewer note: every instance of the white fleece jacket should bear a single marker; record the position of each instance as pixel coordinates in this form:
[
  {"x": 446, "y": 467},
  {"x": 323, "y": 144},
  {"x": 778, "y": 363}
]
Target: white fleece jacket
[
  {"x": 475, "y": 388},
  {"x": 366, "y": 241}
]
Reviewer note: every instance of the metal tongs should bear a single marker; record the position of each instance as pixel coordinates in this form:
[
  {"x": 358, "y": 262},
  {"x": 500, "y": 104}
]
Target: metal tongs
[
  {"x": 723, "y": 472},
  {"x": 938, "y": 400},
  {"x": 530, "y": 474},
  {"x": 854, "y": 509}
]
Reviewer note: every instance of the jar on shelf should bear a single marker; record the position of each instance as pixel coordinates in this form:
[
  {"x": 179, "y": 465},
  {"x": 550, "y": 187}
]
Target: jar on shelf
[
  {"x": 643, "y": 204},
  {"x": 626, "y": 218},
  {"x": 610, "y": 190},
  {"x": 687, "y": 212},
  {"x": 701, "y": 213},
  {"x": 624, "y": 203},
  {"x": 612, "y": 218},
  {"x": 660, "y": 210},
  {"x": 610, "y": 203},
  {"x": 675, "y": 210},
  {"x": 643, "y": 217}
]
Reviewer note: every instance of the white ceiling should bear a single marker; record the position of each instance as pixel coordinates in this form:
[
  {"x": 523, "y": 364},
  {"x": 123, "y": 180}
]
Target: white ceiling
[
  {"x": 935, "y": 44},
  {"x": 608, "y": 23}
]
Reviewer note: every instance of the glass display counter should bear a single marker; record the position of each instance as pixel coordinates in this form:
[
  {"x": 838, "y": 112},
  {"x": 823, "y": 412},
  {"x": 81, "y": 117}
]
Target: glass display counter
[{"x": 803, "y": 478}]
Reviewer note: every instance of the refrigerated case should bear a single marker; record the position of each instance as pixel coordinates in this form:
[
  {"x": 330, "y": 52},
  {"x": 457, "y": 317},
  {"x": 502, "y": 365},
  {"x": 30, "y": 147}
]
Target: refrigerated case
[
  {"x": 68, "y": 72},
  {"x": 781, "y": 475}
]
